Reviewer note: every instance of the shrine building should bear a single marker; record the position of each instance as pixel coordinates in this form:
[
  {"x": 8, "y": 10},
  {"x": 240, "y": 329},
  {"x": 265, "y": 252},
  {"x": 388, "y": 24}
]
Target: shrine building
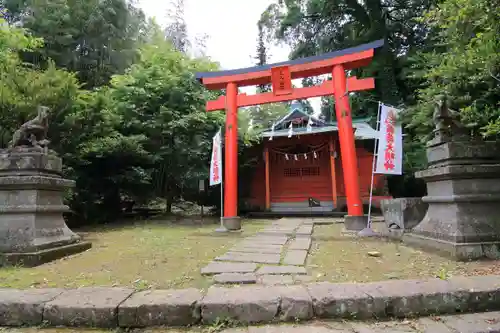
[
  {"x": 301, "y": 168},
  {"x": 287, "y": 183}
]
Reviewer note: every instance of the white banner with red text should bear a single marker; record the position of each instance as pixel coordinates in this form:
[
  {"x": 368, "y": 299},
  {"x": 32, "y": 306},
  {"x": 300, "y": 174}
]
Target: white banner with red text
[
  {"x": 216, "y": 162},
  {"x": 390, "y": 143}
]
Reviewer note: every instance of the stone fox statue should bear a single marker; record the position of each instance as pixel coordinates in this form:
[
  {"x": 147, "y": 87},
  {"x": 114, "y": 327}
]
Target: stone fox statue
[
  {"x": 446, "y": 120},
  {"x": 32, "y": 133}
]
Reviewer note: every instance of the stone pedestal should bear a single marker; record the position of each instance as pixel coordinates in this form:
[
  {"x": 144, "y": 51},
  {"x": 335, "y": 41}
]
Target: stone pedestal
[
  {"x": 32, "y": 228},
  {"x": 232, "y": 223},
  {"x": 355, "y": 223},
  {"x": 463, "y": 186}
]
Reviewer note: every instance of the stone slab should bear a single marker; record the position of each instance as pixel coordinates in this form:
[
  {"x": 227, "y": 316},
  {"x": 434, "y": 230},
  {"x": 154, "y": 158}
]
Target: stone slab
[
  {"x": 287, "y": 232},
  {"x": 244, "y": 305},
  {"x": 326, "y": 221},
  {"x": 295, "y": 257},
  {"x": 260, "y": 245},
  {"x": 262, "y": 258},
  {"x": 343, "y": 300},
  {"x": 431, "y": 325},
  {"x": 302, "y": 328},
  {"x": 263, "y": 239},
  {"x": 161, "y": 308},
  {"x": 280, "y": 270},
  {"x": 301, "y": 279},
  {"x": 475, "y": 293},
  {"x": 296, "y": 303},
  {"x": 100, "y": 307},
  {"x": 256, "y": 249},
  {"x": 381, "y": 327},
  {"x": 235, "y": 278},
  {"x": 474, "y": 323},
  {"x": 228, "y": 267},
  {"x": 305, "y": 230},
  {"x": 24, "y": 307},
  {"x": 86, "y": 307},
  {"x": 275, "y": 280},
  {"x": 301, "y": 243},
  {"x": 407, "y": 298}
]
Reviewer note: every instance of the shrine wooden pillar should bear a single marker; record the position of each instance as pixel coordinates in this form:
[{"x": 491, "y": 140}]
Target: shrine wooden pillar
[
  {"x": 347, "y": 145},
  {"x": 332, "y": 171},
  {"x": 268, "y": 188},
  {"x": 232, "y": 221}
]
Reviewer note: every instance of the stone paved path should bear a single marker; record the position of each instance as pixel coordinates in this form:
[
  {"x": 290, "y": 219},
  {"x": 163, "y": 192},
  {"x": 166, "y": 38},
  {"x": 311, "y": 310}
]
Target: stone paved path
[{"x": 276, "y": 255}]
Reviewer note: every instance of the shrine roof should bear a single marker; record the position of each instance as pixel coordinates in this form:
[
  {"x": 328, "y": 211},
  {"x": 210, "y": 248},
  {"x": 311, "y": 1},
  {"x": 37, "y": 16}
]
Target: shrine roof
[
  {"x": 297, "y": 112},
  {"x": 307, "y": 66},
  {"x": 363, "y": 130}
]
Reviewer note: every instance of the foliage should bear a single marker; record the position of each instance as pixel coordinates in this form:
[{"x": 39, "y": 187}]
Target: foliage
[
  {"x": 160, "y": 98},
  {"x": 317, "y": 26},
  {"x": 465, "y": 66},
  {"x": 108, "y": 166},
  {"x": 93, "y": 38},
  {"x": 145, "y": 135}
]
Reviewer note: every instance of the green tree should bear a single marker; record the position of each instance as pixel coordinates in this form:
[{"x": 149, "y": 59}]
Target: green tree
[
  {"x": 160, "y": 98},
  {"x": 465, "y": 66},
  {"x": 313, "y": 27},
  {"x": 93, "y": 38},
  {"x": 83, "y": 128}
]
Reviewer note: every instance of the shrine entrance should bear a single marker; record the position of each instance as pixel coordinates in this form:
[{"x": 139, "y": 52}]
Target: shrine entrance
[{"x": 281, "y": 75}]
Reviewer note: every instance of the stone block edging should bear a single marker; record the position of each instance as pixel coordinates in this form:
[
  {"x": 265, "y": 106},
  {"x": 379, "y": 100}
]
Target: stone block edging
[{"x": 120, "y": 307}]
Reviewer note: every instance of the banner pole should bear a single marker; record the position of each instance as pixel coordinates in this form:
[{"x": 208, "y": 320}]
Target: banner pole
[
  {"x": 221, "y": 228},
  {"x": 368, "y": 230}
]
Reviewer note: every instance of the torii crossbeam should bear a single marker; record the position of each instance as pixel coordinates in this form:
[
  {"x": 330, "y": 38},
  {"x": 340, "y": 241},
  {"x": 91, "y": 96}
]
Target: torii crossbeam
[{"x": 281, "y": 76}]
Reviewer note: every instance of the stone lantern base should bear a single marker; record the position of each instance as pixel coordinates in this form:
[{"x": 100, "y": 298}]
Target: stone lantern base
[
  {"x": 463, "y": 186},
  {"x": 32, "y": 228}
]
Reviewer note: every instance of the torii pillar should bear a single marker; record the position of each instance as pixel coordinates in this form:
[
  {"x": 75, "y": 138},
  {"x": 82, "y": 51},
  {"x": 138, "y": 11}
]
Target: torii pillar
[{"x": 281, "y": 75}]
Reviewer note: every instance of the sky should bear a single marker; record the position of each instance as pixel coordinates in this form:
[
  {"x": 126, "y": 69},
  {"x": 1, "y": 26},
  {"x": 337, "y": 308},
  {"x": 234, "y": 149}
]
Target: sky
[{"x": 231, "y": 27}]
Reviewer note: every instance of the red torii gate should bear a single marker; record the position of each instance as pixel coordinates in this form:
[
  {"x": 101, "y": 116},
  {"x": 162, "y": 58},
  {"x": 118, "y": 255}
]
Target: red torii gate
[{"x": 281, "y": 75}]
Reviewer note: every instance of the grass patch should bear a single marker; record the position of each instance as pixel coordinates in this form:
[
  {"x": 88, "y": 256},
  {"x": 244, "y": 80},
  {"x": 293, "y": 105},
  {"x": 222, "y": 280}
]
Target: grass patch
[
  {"x": 338, "y": 258},
  {"x": 146, "y": 254}
]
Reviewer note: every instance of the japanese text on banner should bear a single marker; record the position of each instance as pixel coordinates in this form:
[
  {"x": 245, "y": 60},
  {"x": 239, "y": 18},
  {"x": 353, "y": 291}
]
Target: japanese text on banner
[
  {"x": 390, "y": 144},
  {"x": 216, "y": 162}
]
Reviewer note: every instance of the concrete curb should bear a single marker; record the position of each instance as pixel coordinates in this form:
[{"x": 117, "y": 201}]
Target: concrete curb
[{"x": 119, "y": 307}]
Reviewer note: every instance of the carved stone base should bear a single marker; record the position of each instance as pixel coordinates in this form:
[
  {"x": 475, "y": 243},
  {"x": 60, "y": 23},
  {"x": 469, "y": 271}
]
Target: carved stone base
[
  {"x": 454, "y": 250},
  {"x": 31, "y": 208},
  {"x": 33, "y": 259}
]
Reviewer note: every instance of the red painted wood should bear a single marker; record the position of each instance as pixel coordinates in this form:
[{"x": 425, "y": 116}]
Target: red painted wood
[
  {"x": 298, "y": 189},
  {"x": 315, "y": 68},
  {"x": 231, "y": 153},
  {"x": 324, "y": 89},
  {"x": 268, "y": 188},
  {"x": 331, "y": 149},
  {"x": 346, "y": 138},
  {"x": 281, "y": 80}
]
